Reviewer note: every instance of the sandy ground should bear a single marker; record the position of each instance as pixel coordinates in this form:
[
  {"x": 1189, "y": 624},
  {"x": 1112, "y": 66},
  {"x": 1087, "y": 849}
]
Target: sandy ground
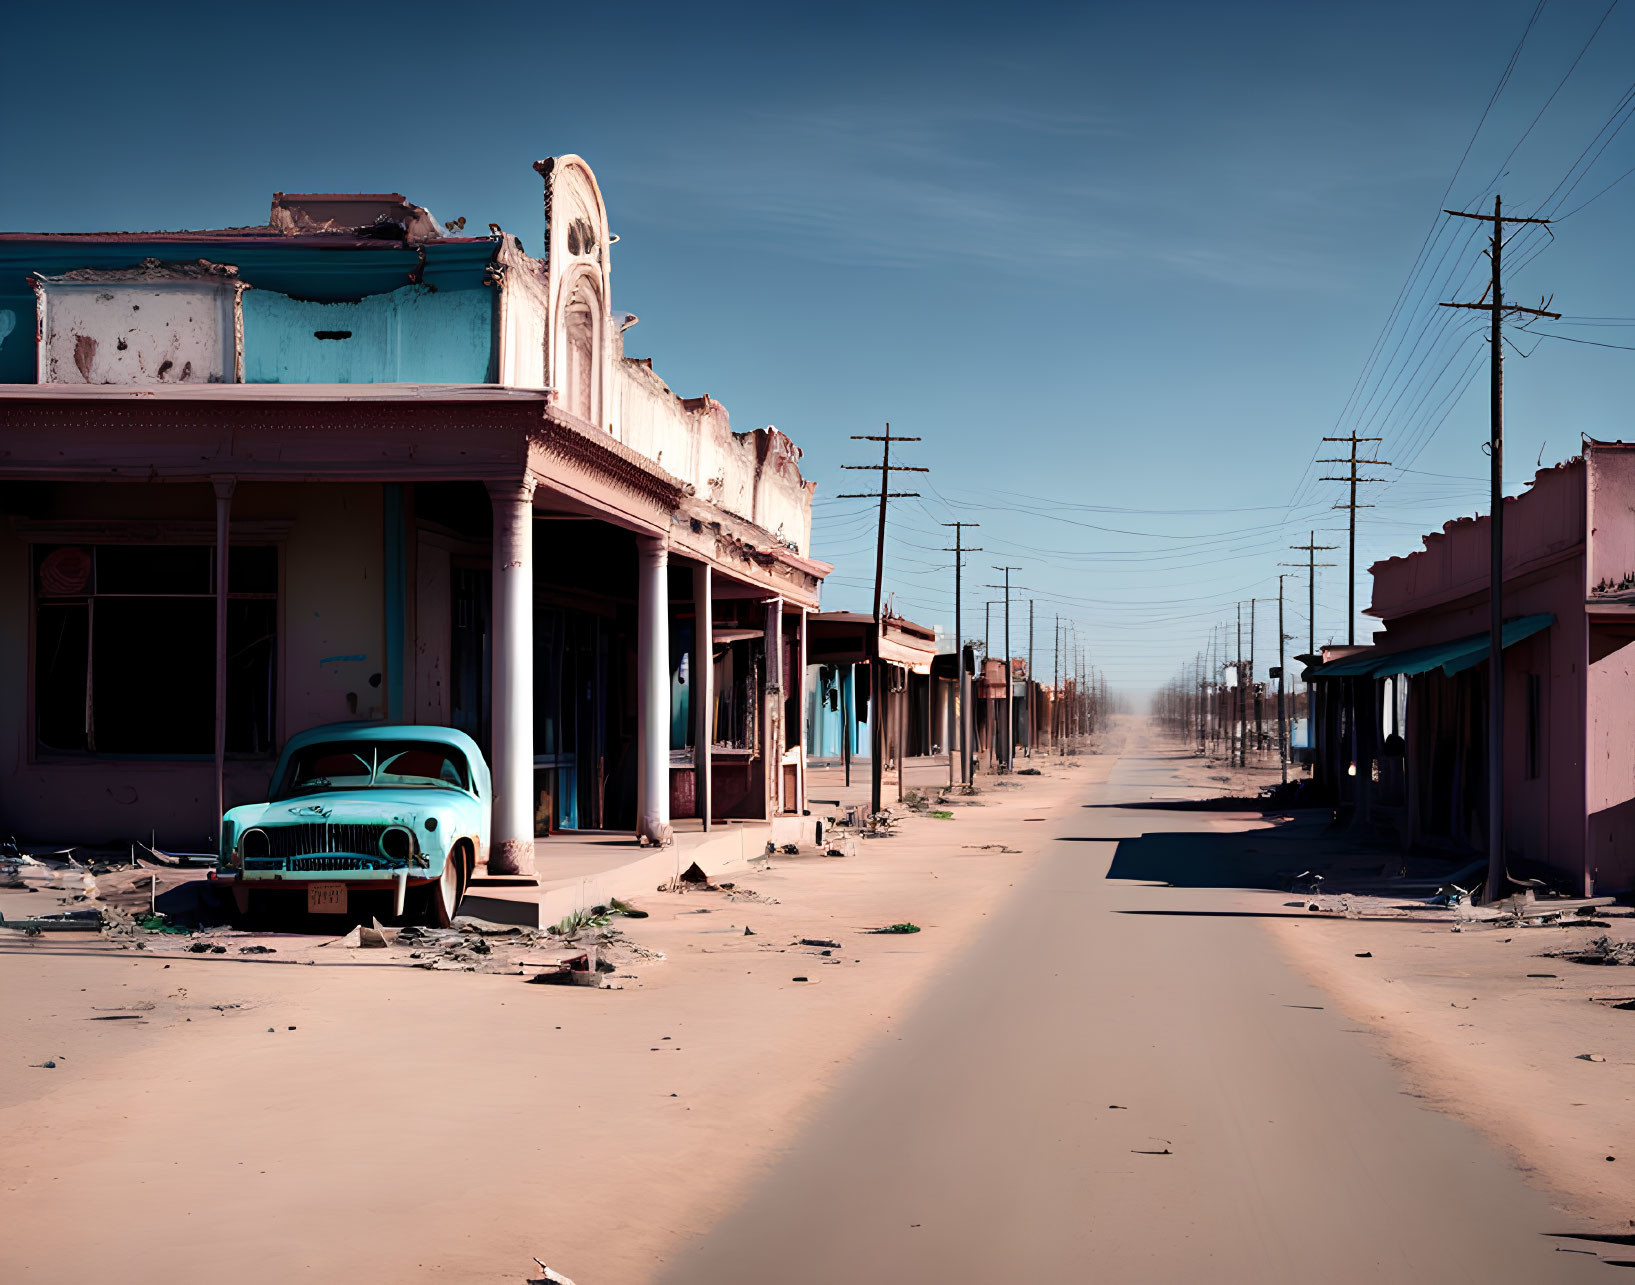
[
  {"x": 1125, "y": 1080},
  {"x": 1064, "y": 1076},
  {"x": 261, "y": 1118},
  {"x": 1488, "y": 1026}
]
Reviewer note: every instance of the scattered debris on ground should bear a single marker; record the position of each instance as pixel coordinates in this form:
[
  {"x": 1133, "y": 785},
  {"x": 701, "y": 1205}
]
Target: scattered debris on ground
[
  {"x": 904, "y": 927},
  {"x": 1599, "y": 950},
  {"x": 68, "y": 921}
]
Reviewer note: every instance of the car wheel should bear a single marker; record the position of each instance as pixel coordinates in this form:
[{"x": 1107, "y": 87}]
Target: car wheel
[{"x": 444, "y": 895}]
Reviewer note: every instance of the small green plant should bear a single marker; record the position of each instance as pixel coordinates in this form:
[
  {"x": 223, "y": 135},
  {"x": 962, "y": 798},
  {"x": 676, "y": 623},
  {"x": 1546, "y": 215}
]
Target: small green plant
[
  {"x": 904, "y": 927},
  {"x": 578, "y": 921},
  {"x": 942, "y": 815}
]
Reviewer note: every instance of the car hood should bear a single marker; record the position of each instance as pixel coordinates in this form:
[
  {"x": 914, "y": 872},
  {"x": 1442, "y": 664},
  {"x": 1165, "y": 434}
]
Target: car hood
[{"x": 355, "y": 807}]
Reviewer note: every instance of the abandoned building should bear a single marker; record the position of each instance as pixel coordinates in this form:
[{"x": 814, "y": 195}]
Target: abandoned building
[
  {"x": 1401, "y": 726},
  {"x": 349, "y": 465}
]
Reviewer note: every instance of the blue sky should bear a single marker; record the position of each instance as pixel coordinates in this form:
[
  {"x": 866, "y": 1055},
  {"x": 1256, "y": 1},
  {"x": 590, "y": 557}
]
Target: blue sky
[{"x": 1119, "y": 266}]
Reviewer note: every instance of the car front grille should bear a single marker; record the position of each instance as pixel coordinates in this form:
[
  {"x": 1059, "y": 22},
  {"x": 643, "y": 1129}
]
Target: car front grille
[
  {"x": 358, "y": 862},
  {"x": 322, "y": 846},
  {"x": 312, "y": 838}
]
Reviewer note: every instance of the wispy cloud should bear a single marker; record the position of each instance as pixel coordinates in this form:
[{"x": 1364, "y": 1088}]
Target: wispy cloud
[{"x": 982, "y": 184}]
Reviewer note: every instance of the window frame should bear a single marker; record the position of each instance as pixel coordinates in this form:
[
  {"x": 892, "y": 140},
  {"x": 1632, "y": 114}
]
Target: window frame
[{"x": 248, "y": 534}]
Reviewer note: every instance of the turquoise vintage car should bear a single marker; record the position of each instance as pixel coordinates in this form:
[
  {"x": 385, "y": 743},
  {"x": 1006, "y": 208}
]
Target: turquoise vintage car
[{"x": 360, "y": 807}]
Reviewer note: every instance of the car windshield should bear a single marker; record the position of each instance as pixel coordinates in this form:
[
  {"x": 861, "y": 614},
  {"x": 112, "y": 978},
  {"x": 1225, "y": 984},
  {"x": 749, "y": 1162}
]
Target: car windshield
[{"x": 365, "y": 764}]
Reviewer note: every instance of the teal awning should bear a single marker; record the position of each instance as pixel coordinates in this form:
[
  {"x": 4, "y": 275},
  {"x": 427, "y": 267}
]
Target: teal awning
[{"x": 1449, "y": 657}]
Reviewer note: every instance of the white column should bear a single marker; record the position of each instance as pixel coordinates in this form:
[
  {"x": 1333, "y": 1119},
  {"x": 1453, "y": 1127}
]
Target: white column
[
  {"x": 652, "y": 690},
  {"x": 774, "y": 704},
  {"x": 511, "y": 842},
  {"x": 703, "y": 695}
]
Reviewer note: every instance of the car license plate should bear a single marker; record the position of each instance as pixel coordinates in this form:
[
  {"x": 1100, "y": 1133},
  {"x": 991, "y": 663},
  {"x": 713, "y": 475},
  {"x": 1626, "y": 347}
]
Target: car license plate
[{"x": 326, "y": 899}]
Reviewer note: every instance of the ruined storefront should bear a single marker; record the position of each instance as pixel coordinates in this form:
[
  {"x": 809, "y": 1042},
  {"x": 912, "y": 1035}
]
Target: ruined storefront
[{"x": 438, "y": 492}]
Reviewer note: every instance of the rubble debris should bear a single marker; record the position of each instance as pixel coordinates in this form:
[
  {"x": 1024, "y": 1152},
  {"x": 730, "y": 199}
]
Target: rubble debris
[
  {"x": 68, "y": 921},
  {"x": 1591, "y": 1057},
  {"x": 1599, "y": 950},
  {"x": 552, "y": 1277},
  {"x": 570, "y": 972},
  {"x": 694, "y": 874},
  {"x": 820, "y": 941},
  {"x": 791, "y": 849},
  {"x": 1028, "y": 771},
  {"x": 257, "y": 950},
  {"x": 879, "y": 824},
  {"x": 748, "y": 931},
  {"x": 205, "y": 948},
  {"x": 991, "y": 847},
  {"x": 1364, "y": 954}
]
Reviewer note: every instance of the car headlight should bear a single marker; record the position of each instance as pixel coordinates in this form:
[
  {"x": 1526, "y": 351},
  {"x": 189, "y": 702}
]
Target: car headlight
[
  {"x": 397, "y": 844},
  {"x": 254, "y": 843}
]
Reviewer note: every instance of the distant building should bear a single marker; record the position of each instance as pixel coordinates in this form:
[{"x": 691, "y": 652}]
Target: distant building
[
  {"x": 1401, "y": 726},
  {"x": 438, "y": 490}
]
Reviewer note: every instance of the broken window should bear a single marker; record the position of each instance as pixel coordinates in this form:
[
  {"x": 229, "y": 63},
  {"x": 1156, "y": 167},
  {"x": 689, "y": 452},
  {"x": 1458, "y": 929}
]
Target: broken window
[
  {"x": 125, "y": 649},
  {"x": 737, "y": 684}
]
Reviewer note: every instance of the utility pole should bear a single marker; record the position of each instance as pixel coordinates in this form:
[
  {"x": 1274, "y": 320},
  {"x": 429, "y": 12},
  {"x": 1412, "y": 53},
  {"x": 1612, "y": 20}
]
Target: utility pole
[
  {"x": 987, "y": 654},
  {"x": 1496, "y": 308},
  {"x": 1055, "y": 680},
  {"x": 1254, "y": 686},
  {"x": 1311, "y": 549},
  {"x": 1353, "y": 506},
  {"x": 1282, "y": 720},
  {"x": 1010, "y": 682},
  {"x": 1028, "y": 713},
  {"x": 1237, "y": 671},
  {"x": 1203, "y": 694},
  {"x": 877, "y": 671},
  {"x": 959, "y": 553}
]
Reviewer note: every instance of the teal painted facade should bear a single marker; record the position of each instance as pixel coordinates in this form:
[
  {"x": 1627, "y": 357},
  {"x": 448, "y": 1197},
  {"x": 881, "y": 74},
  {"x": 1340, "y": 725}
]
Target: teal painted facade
[
  {"x": 412, "y": 335},
  {"x": 425, "y": 312}
]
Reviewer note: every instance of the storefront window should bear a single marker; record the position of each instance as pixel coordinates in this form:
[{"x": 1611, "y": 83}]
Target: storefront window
[{"x": 125, "y": 646}]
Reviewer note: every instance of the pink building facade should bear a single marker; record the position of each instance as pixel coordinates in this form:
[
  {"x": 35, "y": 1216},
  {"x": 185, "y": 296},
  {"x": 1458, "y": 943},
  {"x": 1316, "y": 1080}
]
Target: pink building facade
[
  {"x": 1402, "y": 725},
  {"x": 438, "y": 491}
]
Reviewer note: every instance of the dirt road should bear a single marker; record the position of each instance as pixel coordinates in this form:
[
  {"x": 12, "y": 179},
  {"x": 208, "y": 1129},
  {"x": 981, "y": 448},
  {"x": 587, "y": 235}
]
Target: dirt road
[{"x": 1102, "y": 1090}]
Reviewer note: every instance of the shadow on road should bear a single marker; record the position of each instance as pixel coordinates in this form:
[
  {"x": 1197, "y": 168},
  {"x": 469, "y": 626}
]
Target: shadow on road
[
  {"x": 1281, "y": 857},
  {"x": 1189, "y": 859}
]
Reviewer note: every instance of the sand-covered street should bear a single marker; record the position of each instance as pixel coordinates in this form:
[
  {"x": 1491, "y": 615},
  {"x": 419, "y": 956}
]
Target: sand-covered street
[{"x": 1074, "y": 1071}]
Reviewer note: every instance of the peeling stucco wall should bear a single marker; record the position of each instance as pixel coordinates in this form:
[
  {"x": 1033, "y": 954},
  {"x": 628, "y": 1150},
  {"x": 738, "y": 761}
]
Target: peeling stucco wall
[
  {"x": 107, "y": 328},
  {"x": 755, "y": 475}
]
